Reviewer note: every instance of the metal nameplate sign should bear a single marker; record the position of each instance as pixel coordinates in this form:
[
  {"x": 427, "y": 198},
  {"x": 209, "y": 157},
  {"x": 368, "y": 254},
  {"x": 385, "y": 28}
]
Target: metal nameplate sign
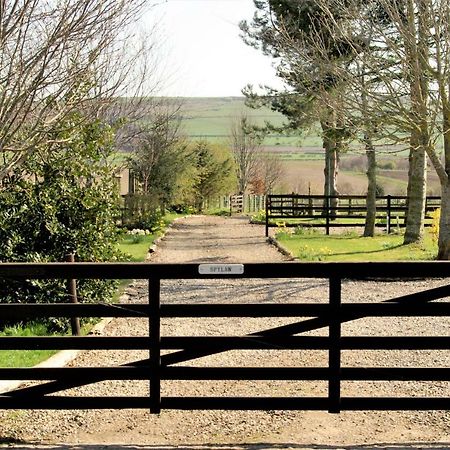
[{"x": 221, "y": 269}]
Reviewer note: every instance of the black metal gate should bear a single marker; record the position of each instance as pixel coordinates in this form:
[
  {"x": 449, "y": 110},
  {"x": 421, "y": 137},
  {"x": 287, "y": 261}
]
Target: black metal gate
[{"x": 162, "y": 366}]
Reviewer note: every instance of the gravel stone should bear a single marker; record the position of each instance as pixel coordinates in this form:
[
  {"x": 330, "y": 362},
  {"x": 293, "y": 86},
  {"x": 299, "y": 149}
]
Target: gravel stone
[{"x": 201, "y": 239}]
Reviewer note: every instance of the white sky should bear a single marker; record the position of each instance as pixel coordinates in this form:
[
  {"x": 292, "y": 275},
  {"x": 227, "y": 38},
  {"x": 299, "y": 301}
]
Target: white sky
[{"x": 203, "y": 53}]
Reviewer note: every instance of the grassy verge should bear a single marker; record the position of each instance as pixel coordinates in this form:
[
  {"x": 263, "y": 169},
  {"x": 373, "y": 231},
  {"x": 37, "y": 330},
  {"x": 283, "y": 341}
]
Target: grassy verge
[
  {"x": 136, "y": 247},
  {"x": 24, "y": 358},
  {"x": 316, "y": 246}
]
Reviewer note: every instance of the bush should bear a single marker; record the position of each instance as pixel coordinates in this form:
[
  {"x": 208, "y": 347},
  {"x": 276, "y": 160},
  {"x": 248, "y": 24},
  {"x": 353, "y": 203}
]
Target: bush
[
  {"x": 259, "y": 217},
  {"x": 379, "y": 190},
  {"x": 62, "y": 200},
  {"x": 142, "y": 211},
  {"x": 387, "y": 165}
]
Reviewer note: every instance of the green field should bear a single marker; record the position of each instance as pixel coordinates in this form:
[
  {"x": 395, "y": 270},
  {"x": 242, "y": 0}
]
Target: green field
[{"x": 212, "y": 118}]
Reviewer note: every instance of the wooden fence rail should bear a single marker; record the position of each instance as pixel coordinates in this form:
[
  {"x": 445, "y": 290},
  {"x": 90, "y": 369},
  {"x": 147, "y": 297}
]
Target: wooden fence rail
[
  {"x": 322, "y": 211},
  {"x": 160, "y": 366}
]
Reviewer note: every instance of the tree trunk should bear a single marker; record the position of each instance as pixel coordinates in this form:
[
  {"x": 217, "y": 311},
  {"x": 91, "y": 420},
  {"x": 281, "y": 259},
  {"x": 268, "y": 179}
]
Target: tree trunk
[
  {"x": 444, "y": 224},
  {"x": 331, "y": 166},
  {"x": 417, "y": 191},
  {"x": 417, "y": 54},
  {"x": 371, "y": 200}
]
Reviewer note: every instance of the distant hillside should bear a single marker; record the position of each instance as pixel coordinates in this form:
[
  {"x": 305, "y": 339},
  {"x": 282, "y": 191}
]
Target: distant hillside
[{"x": 211, "y": 118}]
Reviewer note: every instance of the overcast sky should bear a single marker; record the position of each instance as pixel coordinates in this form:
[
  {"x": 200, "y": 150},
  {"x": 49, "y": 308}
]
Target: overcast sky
[{"x": 203, "y": 51}]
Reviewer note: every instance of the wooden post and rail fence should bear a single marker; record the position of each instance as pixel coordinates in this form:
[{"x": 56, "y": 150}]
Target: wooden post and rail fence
[{"x": 317, "y": 211}]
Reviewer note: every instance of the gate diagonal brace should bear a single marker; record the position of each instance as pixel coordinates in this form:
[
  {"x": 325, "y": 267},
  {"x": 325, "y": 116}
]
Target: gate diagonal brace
[
  {"x": 308, "y": 325},
  {"x": 187, "y": 355},
  {"x": 52, "y": 387}
]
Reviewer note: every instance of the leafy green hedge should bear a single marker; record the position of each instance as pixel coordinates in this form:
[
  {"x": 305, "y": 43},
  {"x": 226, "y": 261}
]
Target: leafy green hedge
[{"x": 62, "y": 200}]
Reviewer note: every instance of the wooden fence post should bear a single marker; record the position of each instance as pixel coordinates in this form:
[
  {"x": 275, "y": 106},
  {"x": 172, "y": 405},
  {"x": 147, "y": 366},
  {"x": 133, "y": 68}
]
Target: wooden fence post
[
  {"x": 388, "y": 215},
  {"x": 72, "y": 286},
  {"x": 327, "y": 216}
]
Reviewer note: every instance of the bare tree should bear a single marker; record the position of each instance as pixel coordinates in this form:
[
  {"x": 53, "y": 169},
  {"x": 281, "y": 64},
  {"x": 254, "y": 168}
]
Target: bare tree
[
  {"x": 271, "y": 171},
  {"x": 56, "y": 57},
  {"x": 245, "y": 142},
  {"x": 157, "y": 148}
]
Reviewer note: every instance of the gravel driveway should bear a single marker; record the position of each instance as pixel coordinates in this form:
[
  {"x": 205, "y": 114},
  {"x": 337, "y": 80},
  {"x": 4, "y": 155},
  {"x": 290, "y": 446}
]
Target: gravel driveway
[{"x": 214, "y": 239}]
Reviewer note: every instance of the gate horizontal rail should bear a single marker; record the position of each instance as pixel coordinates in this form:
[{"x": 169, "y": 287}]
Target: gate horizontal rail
[
  {"x": 158, "y": 366},
  {"x": 227, "y": 373},
  {"x": 324, "y": 270}
]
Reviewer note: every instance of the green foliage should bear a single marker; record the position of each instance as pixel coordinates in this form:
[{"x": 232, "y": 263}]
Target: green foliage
[
  {"x": 213, "y": 172},
  {"x": 161, "y": 162},
  {"x": 259, "y": 217},
  {"x": 62, "y": 200},
  {"x": 136, "y": 243},
  {"x": 142, "y": 211},
  {"x": 136, "y": 250},
  {"x": 24, "y": 358},
  {"x": 379, "y": 190},
  {"x": 308, "y": 253},
  {"x": 283, "y": 233},
  {"x": 31, "y": 329},
  {"x": 306, "y": 231},
  {"x": 387, "y": 165}
]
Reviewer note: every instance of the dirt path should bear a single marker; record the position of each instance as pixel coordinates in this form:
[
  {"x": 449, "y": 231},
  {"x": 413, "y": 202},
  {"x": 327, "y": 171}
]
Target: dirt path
[
  {"x": 216, "y": 239},
  {"x": 213, "y": 239}
]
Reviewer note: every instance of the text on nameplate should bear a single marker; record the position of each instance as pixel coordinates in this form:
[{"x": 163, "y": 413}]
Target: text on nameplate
[{"x": 221, "y": 269}]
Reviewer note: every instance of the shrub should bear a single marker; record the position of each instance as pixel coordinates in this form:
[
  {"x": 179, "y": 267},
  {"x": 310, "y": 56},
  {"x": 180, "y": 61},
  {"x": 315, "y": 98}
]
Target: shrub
[
  {"x": 259, "y": 217},
  {"x": 283, "y": 231},
  {"x": 62, "y": 200},
  {"x": 142, "y": 211},
  {"x": 379, "y": 190},
  {"x": 387, "y": 165}
]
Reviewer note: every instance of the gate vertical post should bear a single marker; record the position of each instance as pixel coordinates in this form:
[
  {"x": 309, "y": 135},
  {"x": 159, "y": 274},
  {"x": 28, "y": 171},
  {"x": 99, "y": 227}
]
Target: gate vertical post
[
  {"x": 267, "y": 215},
  {"x": 334, "y": 355},
  {"x": 155, "y": 344},
  {"x": 73, "y": 298}
]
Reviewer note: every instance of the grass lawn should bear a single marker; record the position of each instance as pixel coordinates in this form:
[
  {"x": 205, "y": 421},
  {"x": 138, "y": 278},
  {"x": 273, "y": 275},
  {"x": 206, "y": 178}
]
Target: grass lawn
[
  {"x": 24, "y": 358},
  {"x": 136, "y": 247},
  {"x": 316, "y": 246}
]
